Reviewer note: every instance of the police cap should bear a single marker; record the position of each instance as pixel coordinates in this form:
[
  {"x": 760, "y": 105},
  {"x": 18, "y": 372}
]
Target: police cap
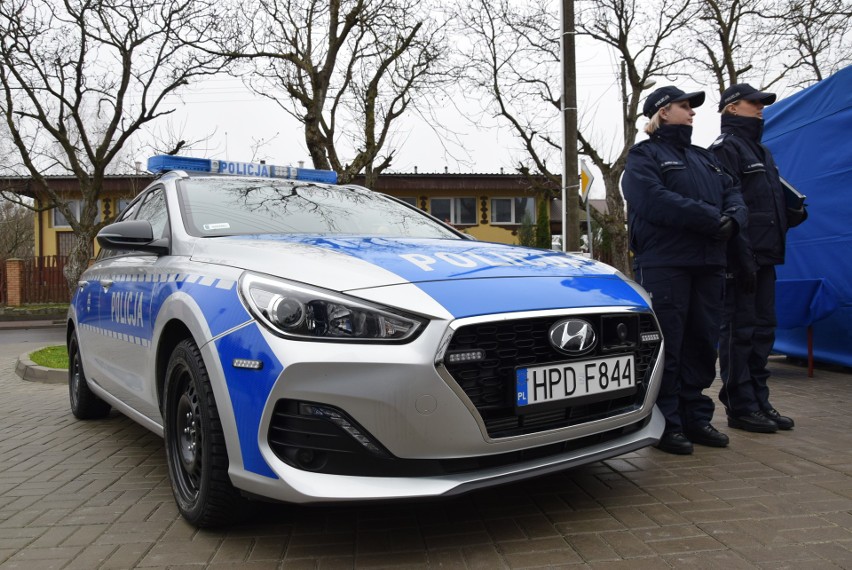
[
  {"x": 661, "y": 97},
  {"x": 744, "y": 91}
]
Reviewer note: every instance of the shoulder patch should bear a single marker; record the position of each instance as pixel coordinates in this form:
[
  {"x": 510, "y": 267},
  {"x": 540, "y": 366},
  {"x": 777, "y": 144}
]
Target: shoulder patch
[{"x": 719, "y": 140}]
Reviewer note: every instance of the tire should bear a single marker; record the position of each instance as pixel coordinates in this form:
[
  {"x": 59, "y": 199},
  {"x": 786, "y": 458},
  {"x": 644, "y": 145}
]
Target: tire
[
  {"x": 195, "y": 444},
  {"x": 85, "y": 405}
]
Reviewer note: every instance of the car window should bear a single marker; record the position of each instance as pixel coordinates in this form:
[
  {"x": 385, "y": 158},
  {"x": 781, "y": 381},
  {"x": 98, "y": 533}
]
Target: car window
[
  {"x": 153, "y": 209},
  {"x": 223, "y": 206},
  {"x": 130, "y": 212}
]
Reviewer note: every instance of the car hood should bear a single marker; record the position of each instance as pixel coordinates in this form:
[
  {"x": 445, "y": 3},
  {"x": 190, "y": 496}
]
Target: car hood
[{"x": 466, "y": 277}]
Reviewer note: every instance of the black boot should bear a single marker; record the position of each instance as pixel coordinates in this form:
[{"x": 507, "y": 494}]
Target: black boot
[
  {"x": 754, "y": 421},
  {"x": 783, "y": 421},
  {"x": 675, "y": 442},
  {"x": 707, "y": 435}
]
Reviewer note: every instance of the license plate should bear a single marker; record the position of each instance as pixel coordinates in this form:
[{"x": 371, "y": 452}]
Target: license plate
[{"x": 569, "y": 380}]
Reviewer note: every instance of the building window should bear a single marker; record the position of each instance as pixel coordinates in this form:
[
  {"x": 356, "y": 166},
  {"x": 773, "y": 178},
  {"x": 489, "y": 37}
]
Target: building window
[
  {"x": 512, "y": 210},
  {"x": 460, "y": 211},
  {"x": 65, "y": 243},
  {"x": 122, "y": 204},
  {"x": 76, "y": 206},
  {"x": 409, "y": 200}
]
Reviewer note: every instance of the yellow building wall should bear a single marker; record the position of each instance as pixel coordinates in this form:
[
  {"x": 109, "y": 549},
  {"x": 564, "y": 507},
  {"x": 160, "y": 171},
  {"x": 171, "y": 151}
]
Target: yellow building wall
[
  {"x": 47, "y": 239},
  {"x": 484, "y": 230}
]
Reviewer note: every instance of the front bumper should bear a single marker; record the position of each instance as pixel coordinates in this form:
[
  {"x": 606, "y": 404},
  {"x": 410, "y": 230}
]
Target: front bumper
[
  {"x": 432, "y": 437},
  {"x": 299, "y": 486}
]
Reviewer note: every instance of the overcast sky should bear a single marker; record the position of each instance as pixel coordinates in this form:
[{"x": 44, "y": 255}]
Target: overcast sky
[{"x": 238, "y": 125}]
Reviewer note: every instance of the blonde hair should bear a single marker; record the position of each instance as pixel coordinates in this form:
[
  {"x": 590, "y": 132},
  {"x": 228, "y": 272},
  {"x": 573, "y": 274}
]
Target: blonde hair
[
  {"x": 727, "y": 109},
  {"x": 656, "y": 121}
]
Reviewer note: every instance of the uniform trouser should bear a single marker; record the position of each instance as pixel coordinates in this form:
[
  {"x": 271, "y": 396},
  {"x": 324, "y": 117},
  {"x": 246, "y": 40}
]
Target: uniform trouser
[
  {"x": 688, "y": 302},
  {"x": 747, "y": 336}
]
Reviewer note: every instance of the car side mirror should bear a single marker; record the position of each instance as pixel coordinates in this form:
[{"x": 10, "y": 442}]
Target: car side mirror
[{"x": 134, "y": 235}]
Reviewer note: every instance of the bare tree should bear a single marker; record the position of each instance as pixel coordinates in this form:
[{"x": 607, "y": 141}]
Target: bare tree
[
  {"x": 732, "y": 40},
  {"x": 816, "y": 35},
  {"x": 16, "y": 231},
  {"x": 788, "y": 43},
  {"x": 516, "y": 61},
  {"x": 348, "y": 70},
  {"x": 79, "y": 79}
]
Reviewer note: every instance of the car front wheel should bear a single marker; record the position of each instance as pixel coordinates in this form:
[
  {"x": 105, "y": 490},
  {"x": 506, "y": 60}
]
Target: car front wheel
[
  {"x": 85, "y": 405},
  {"x": 195, "y": 444}
]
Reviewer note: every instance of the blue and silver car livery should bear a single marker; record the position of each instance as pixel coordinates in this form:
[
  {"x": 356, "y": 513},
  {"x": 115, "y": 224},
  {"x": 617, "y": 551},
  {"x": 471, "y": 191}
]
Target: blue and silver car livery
[{"x": 302, "y": 341}]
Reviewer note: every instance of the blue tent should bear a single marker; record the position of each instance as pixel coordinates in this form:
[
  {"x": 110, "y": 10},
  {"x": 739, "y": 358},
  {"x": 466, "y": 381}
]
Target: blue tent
[{"x": 810, "y": 135}]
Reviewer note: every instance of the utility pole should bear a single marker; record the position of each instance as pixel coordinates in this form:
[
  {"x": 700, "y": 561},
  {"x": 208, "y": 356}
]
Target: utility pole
[{"x": 570, "y": 167}]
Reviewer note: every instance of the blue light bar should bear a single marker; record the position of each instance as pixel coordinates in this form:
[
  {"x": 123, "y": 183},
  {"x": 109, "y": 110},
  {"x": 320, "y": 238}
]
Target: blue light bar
[{"x": 166, "y": 162}]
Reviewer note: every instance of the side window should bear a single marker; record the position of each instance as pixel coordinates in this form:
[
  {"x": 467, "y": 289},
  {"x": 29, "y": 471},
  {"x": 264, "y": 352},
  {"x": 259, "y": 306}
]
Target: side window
[
  {"x": 129, "y": 213},
  {"x": 153, "y": 209},
  {"x": 124, "y": 213}
]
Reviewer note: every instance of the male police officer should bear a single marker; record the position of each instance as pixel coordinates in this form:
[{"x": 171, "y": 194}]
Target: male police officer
[{"x": 748, "y": 326}]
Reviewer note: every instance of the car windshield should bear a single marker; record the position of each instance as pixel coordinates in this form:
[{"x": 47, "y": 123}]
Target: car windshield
[{"x": 229, "y": 206}]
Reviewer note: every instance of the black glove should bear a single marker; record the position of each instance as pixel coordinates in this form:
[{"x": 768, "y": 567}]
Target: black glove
[
  {"x": 747, "y": 281},
  {"x": 796, "y": 217},
  {"x": 726, "y": 230}
]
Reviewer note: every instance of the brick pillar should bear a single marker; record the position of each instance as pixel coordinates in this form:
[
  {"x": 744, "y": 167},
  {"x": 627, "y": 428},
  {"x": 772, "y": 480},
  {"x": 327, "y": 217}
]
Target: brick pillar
[{"x": 14, "y": 282}]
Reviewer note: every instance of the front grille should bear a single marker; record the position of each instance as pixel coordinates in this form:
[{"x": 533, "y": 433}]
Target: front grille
[{"x": 508, "y": 345}]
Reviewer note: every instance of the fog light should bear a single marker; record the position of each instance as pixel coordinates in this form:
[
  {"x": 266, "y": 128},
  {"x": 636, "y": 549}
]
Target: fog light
[
  {"x": 651, "y": 337},
  {"x": 466, "y": 356},
  {"x": 309, "y": 459},
  {"x": 343, "y": 423}
]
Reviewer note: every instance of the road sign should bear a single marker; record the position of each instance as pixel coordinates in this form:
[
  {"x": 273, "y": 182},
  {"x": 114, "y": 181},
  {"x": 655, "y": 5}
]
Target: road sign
[{"x": 586, "y": 179}]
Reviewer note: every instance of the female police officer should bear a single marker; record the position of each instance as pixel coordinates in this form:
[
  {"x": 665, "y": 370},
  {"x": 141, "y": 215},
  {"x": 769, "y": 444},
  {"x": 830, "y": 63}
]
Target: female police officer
[
  {"x": 682, "y": 208},
  {"x": 748, "y": 326}
]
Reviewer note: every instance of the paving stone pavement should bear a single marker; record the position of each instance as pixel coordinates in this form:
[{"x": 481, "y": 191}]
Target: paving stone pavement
[{"x": 86, "y": 495}]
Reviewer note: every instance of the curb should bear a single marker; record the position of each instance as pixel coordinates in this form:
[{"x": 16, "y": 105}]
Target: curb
[
  {"x": 24, "y": 324},
  {"x": 32, "y": 372}
]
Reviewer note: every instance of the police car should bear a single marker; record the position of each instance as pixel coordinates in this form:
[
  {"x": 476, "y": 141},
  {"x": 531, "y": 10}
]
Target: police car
[{"x": 302, "y": 341}]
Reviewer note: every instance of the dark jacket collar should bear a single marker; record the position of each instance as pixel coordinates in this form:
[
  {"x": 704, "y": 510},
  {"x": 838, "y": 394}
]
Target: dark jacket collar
[
  {"x": 677, "y": 135},
  {"x": 750, "y": 128}
]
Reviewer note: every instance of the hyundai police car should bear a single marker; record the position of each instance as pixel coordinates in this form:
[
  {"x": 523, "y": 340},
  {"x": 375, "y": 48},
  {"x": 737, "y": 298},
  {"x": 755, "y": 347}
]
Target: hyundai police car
[{"x": 302, "y": 341}]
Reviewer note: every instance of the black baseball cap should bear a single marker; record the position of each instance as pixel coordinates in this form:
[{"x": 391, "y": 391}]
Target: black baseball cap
[
  {"x": 744, "y": 91},
  {"x": 661, "y": 97}
]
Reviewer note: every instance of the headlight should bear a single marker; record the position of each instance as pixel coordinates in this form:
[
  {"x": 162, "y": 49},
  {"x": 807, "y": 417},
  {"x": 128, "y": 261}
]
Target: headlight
[{"x": 302, "y": 312}]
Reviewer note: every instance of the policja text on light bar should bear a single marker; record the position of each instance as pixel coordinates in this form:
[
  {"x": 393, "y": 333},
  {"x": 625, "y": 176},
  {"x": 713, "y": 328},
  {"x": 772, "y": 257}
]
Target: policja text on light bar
[{"x": 164, "y": 163}]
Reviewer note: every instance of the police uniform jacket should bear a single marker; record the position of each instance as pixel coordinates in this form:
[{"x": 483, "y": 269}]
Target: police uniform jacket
[
  {"x": 740, "y": 151},
  {"x": 676, "y": 195}
]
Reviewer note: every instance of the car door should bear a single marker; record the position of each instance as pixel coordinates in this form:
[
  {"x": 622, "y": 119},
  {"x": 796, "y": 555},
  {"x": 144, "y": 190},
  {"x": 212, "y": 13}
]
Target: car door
[{"x": 126, "y": 284}]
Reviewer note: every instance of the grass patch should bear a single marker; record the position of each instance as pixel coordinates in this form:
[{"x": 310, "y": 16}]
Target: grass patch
[
  {"x": 34, "y": 310},
  {"x": 51, "y": 357}
]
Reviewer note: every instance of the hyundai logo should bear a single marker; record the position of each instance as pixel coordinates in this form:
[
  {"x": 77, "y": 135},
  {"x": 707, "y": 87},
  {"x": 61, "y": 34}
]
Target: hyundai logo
[{"x": 572, "y": 336}]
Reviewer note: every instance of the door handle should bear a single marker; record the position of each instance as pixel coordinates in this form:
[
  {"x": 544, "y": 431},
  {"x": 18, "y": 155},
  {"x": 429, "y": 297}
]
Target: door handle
[
  {"x": 106, "y": 284},
  {"x": 82, "y": 284}
]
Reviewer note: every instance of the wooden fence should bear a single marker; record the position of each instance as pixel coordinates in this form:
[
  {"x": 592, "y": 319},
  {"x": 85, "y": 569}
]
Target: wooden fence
[
  {"x": 3, "y": 284},
  {"x": 34, "y": 280}
]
